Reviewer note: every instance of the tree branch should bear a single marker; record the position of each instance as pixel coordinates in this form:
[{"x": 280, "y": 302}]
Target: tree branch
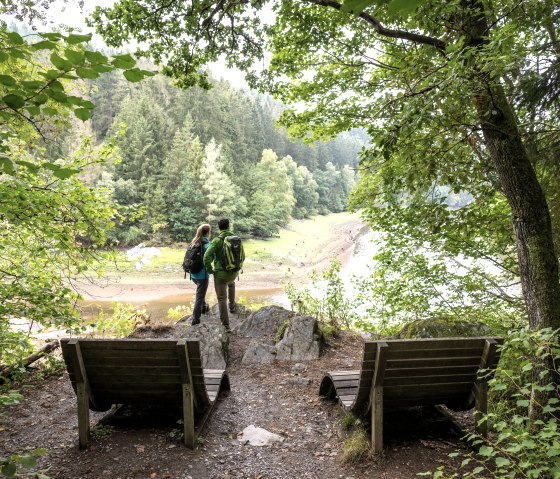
[{"x": 387, "y": 32}]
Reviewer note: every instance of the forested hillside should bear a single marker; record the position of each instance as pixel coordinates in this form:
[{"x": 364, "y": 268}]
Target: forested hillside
[{"x": 193, "y": 156}]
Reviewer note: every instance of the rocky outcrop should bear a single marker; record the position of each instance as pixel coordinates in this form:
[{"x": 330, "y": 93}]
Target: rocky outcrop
[
  {"x": 301, "y": 341},
  {"x": 442, "y": 327},
  {"x": 263, "y": 323},
  {"x": 280, "y": 334},
  {"x": 214, "y": 342}
]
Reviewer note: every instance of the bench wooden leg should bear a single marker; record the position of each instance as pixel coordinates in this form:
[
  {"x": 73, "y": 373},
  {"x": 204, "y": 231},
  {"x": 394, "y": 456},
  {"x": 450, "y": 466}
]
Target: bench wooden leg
[
  {"x": 188, "y": 416},
  {"x": 377, "y": 420},
  {"x": 481, "y": 408},
  {"x": 83, "y": 415}
]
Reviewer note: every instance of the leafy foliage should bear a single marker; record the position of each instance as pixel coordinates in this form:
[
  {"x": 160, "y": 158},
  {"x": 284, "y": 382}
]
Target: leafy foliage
[{"x": 520, "y": 447}]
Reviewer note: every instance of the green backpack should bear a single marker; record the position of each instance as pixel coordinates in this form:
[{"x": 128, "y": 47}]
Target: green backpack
[{"x": 233, "y": 254}]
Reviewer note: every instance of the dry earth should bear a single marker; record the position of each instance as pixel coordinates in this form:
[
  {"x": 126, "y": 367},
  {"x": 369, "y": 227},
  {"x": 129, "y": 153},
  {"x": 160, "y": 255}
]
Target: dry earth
[
  {"x": 145, "y": 445},
  {"x": 301, "y": 256}
]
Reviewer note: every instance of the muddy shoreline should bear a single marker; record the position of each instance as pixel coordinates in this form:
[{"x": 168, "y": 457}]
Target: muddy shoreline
[{"x": 258, "y": 278}]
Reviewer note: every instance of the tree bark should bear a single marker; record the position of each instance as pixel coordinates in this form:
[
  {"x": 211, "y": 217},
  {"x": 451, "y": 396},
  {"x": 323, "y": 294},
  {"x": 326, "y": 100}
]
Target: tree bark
[
  {"x": 6, "y": 371},
  {"x": 538, "y": 264}
]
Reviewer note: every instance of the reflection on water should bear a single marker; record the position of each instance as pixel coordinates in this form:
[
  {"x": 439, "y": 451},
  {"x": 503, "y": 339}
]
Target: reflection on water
[
  {"x": 358, "y": 265},
  {"x": 158, "y": 308}
]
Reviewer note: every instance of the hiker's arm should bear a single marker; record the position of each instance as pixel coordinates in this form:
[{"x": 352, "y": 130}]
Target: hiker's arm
[{"x": 209, "y": 257}]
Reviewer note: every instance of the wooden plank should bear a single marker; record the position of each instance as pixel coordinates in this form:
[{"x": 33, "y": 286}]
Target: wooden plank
[
  {"x": 137, "y": 389},
  {"x": 135, "y": 378},
  {"x": 209, "y": 381},
  {"x": 133, "y": 362},
  {"x": 348, "y": 383},
  {"x": 424, "y": 380},
  {"x": 455, "y": 389},
  {"x": 380, "y": 364},
  {"x": 115, "y": 355},
  {"x": 377, "y": 419},
  {"x": 73, "y": 357},
  {"x": 433, "y": 343},
  {"x": 439, "y": 362},
  {"x": 188, "y": 416},
  {"x": 431, "y": 371},
  {"x": 128, "y": 344},
  {"x": 431, "y": 353},
  {"x": 356, "y": 372},
  {"x": 145, "y": 397},
  {"x": 117, "y": 370}
]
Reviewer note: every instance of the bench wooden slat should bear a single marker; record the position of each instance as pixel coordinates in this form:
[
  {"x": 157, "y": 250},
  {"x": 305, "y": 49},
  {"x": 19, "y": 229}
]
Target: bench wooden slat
[
  {"x": 403, "y": 373},
  {"x": 146, "y": 371}
]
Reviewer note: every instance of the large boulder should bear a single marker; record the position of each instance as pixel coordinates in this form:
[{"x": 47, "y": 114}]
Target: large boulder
[
  {"x": 301, "y": 341},
  {"x": 263, "y": 323},
  {"x": 442, "y": 327},
  {"x": 259, "y": 352},
  {"x": 214, "y": 341}
]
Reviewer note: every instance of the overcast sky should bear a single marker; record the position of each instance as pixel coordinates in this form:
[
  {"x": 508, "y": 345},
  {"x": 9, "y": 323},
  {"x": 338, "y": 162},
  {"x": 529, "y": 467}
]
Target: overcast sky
[{"x": 69, "y": 14}]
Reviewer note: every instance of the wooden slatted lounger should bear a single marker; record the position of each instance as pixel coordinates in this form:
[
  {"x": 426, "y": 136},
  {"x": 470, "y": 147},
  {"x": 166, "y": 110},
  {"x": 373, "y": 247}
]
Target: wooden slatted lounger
[
  {"x": 142, "y": 371},
  {"x": 415, "y": 372}
]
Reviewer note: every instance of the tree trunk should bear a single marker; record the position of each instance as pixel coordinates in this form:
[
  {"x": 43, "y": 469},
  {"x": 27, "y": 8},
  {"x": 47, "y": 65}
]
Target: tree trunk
[{"x": 538, "y": 264}]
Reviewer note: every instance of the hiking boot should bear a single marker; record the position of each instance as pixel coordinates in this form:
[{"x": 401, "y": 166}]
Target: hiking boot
[
  {"x": 233, "y": 309},
  {"x": 205, "y": 309},
  {"x": 195, "y": 322}
]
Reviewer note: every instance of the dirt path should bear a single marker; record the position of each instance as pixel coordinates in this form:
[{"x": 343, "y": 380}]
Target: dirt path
[{"x": 148, "y": 446}]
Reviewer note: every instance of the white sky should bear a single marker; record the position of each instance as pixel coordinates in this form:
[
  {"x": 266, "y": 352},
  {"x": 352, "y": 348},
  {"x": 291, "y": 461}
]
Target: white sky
[{"x": 69, "y": 14}]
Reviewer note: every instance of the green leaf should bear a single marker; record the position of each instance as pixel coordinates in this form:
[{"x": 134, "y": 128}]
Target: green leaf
[
  {"x": 74, "y": 38},
  {"x": 134, "y": 75},
  {"x": 28, "y": 461},
  {"x": 53, "y": 36},
  {"x": 102, "y": 68},
  {"x": 64, "y": 173},
  {"x": 44, "y": 45},
  {"x": 355, "y": 6},
  {"x": 77, "y": 57},
  {"x": 40, "y": 99},
  {"x": 58, "y": 96},
  {"x": 553, "y": 451},
  {"x": 404, "y": 7},
  {"x": 16, "y": 53},
  {"x": 15, "y": 38},
  {"x": 32, "y": 84},
  {"x": 33, "y": 110},
  {"x": 88, "y": 73},
  {"x": 502, "y": 462},
  {"x": 14, "y": 101},
  {"x": 486, "y": 451},
  {"x": 6, "y": 165},
  {"x": 49, "y": 111},
  {"x": 33, "y": 168},
  {"x": 123, "y": 61},
  {"x": 61, "y": 63},
  {"x": 9, "y": 469},
  {"x": 3, "y": 56},
  {"x": 82, "y": 113},
  {"x": 7, "y": 80},
  {"x": 523, "y": 403},
  {"x": 96, "y": 57},
  {"x": 478, "y": 470}
]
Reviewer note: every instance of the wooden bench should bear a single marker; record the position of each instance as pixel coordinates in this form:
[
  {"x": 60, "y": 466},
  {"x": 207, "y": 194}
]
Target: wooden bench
[
  {"x": 142, "y": 371},
  {"x": 415, "y": 372}
]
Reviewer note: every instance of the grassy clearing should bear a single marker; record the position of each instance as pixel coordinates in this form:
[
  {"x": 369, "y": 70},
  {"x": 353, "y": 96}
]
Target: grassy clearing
[{"x": 301, "y": 240}]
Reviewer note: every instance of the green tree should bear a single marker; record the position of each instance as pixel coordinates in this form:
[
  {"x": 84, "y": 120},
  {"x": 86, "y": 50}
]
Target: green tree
[{"x": 52, "y": 223}]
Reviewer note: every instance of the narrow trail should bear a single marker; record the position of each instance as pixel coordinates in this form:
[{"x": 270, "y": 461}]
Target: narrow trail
[{"x": 276, "y": 397}]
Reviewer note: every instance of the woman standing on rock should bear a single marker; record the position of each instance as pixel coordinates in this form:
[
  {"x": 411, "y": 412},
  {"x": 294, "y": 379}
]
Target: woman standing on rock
[{"x": 201, "y": 278}]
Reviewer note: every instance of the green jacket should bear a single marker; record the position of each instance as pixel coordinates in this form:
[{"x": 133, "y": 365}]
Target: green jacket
[{"x": 214, "y": 255}]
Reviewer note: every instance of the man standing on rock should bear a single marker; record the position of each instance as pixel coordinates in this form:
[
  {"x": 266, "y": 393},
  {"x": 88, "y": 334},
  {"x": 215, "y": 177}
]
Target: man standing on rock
[{"x": 217, "y": 264}]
